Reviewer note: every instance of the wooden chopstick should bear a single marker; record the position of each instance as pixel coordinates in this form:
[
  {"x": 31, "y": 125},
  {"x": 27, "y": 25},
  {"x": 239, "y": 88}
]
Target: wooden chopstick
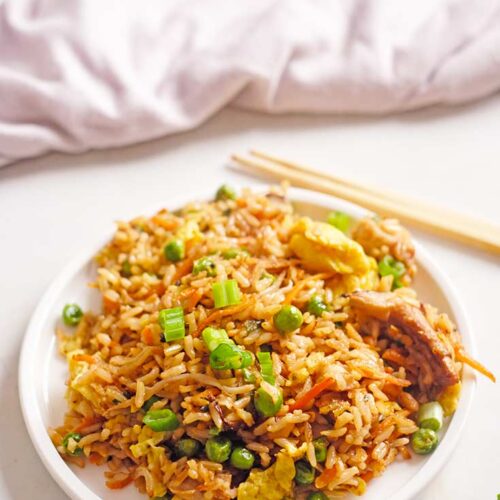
[{"x": 435, "y": 219}]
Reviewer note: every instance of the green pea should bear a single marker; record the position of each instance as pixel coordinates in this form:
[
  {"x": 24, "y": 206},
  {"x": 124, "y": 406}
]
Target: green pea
[
  {"x": 218, "y": 449},
  {"x": 317, "y": 495},
  {"x": 304, "y": 473},
  {"x": 205, "y": 264},
  {"x": 424, "y": 441},
  {"x": 340, "y": 220},
  {"x": 149, "y": 403},
  {"x": 174, "y": 250},
  {"x": 225, "y": 192},
  {"x": 187, "y": 447},
  {"x": 232, "y": 253},
  {"x": 75, "y": 437},
  {"x": 241, "y": 458},
  {"x": 287, "y": 319},
  {"x": 316, "y": 306},
  {"x": 72, "y": 314},
  {"x": 161, "y": 420},
  {"x": 265, "y": 404},
  {"x": 320, "y": 449}
]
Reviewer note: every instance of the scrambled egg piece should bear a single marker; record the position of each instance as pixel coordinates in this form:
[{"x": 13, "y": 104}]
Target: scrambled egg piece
[
  {"x": 190, "y": 231},
  {"x": 146, "y": 442},
  {"x": 77, "y": 369},
  {"x": 323, "y": 248},
  {"x": 449, "y": 399},
  {"x": 274, "y": 483}
]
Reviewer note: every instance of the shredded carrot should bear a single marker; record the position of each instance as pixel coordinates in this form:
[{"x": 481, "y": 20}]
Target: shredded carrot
[
  {"x": 167, "y": 224},
  {"x": 182, "y": 269},
  {"x": 220, "y": 313},
  {"x": 398, "y": 381},
  {"x": 392, "y": 390},
  {"x": 394, "y": 356},
  {"x": 85, "y": 423},
  {"x": 308, "y": 328},
  {"x": 96, "y": 458},
  {"x": 309, "y": 396},
  {"x": 194, "y": 299},
  {"x": 147, "y": 336},
  {"x": 119, "y": 483},
  {"x": 367, "y": 476},
  {"x": 292, "y": 294},
  {"x": 405, "y": 452},
  {"x": 159, "y": 288},
  {"x": 110, "y": 306},
  {"x": 84, "y": 357},
  {"x": 186, "y": 293},
  {"x": 462, "y": 356},
  {"x": 325, "y": 478}
]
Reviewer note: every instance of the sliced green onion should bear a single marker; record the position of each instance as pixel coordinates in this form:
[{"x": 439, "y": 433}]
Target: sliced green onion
[
  {"x": 424, "y": 441},
  {"x": 268, "y": 276},
  {"x": 226, "y": 293},
  {"x": 204, "y": 264},
  {"x": 390, "y": 266},
  {"x": 161, "y": 420},
  {"x": 430, "y": 416},
  {"x": 75, "y": 437},
  {"x": 126, "y": 269},
  {"x": 266, "y": 367},
  {"x": 340, "y": 220},
  {"x": 172, "y": 323},
  {"x": 268, "y": 400},
  {"x": 248, "y": 376},
  {"x": 246, "y": 359},
  {"x": 149, "y": 403},
  {"x": 213, "y": 337},
  {"x": 226, "y": 357}
]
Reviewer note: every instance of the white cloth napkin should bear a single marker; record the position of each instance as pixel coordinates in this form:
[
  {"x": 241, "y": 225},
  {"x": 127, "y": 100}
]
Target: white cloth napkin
[{"x": 82, "y": 74}]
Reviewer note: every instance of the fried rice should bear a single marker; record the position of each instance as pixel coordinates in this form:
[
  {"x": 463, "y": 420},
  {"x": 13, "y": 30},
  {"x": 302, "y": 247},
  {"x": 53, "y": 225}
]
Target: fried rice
[{"x": 381, "y": 351}]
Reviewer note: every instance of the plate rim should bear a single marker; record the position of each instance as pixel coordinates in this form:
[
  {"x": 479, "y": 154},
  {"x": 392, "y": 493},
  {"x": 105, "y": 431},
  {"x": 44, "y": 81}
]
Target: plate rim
[{"x": 73, "y": 486}]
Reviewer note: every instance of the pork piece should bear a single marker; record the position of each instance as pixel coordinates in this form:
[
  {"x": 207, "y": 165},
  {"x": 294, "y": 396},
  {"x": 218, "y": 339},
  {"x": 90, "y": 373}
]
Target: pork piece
[
  {"x": 380, "y": 237},
  {"x": 391, "y": 310}
]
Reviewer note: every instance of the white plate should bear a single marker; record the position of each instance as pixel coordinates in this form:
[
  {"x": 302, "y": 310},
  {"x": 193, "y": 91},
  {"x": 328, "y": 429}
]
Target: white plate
[{"x": 42, "y": 372}]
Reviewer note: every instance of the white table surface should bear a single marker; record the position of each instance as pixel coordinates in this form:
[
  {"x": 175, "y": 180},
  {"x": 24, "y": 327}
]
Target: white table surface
[{"x": 49, "y": 207}]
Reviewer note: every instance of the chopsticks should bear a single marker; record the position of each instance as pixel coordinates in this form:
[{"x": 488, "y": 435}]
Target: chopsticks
[{"x": 438, "y": 220}]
